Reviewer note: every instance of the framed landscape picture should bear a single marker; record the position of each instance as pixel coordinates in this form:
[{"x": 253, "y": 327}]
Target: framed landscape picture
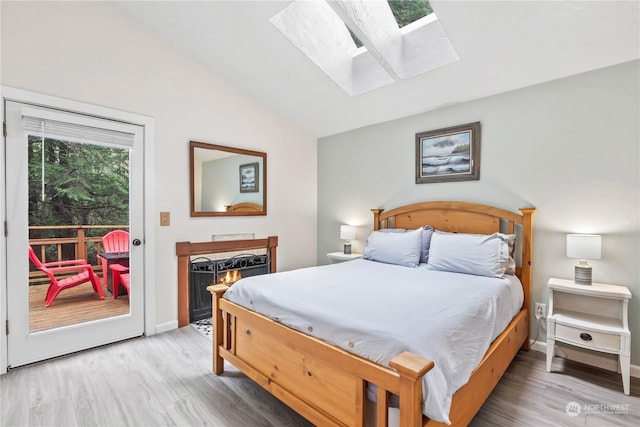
[
  {"x": 450, "y": 154},
  {"x": 249, "y": 178}
]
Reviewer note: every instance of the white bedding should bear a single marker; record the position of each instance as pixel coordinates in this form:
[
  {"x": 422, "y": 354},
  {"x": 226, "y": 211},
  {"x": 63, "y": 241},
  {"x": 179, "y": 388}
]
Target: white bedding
[{"x": 379, "y": 310}]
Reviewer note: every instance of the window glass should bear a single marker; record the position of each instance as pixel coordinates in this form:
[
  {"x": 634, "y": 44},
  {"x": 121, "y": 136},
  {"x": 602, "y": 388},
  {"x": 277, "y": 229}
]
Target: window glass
[{"x": 408, "y": 11}]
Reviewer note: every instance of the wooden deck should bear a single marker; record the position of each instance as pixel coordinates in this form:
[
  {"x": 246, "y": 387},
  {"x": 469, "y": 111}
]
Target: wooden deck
[{"x": 76, "y": 305}]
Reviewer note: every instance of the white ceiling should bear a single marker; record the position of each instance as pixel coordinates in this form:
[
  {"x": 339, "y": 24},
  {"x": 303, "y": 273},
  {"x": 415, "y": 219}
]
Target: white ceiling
[{"x": 502, "y": 45}]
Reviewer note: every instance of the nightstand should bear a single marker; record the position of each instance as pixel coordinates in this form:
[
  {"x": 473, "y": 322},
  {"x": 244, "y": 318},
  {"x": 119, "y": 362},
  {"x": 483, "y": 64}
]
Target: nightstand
[
  {"x": 593, "y": 317},
  {"x": 336, "y": 257}
]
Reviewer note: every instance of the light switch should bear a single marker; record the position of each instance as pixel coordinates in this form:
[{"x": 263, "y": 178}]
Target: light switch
[{"x": 165, "y": 219}]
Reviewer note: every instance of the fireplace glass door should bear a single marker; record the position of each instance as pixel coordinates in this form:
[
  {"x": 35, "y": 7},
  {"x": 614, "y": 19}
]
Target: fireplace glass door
[{"x": 205, "y": 272}]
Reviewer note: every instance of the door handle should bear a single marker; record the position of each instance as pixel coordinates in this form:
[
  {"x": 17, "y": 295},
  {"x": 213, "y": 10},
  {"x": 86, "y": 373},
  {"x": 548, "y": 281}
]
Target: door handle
[{"x": 136, "y": 242}]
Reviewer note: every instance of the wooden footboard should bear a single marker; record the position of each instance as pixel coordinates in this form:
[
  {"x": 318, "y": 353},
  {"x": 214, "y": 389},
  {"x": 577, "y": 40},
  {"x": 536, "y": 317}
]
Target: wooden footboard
[{"x": 323, "y": 383}]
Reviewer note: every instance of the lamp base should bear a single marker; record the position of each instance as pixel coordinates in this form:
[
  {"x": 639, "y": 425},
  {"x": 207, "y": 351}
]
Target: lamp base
[
  {"x": 347, "y": 248},
  {"x": 583, "y": 275}
]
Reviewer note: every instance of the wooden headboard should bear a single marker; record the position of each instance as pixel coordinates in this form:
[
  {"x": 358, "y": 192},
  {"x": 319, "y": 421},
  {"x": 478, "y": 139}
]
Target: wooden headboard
[
  {"x": 462, "y": 217},
  {"x": 244, "y": 207}
]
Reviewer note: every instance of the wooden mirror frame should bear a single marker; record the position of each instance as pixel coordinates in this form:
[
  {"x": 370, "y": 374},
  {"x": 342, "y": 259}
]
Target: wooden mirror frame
[{"x": 243, "y": 208}]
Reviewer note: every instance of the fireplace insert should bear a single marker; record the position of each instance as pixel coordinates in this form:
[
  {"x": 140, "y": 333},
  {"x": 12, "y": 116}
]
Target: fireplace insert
[{"x": 205, "y": 272}]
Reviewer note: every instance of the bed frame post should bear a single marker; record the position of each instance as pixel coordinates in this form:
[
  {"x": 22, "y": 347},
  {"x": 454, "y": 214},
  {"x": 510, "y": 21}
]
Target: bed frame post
[
  {"x": 411, "y": 369},
  {"x": 272, "y": 245},
  {"x": 527, "y": 247},
  {"x": 376, "y": 218},
  {"x": 218, "y": 327}
]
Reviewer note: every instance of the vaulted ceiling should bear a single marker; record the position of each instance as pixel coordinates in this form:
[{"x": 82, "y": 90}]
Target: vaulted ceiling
[{"x": 502, "y": 46}]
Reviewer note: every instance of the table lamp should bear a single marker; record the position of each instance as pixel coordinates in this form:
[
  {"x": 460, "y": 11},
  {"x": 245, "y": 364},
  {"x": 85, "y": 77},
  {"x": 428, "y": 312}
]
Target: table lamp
[
  {"x": 584, "y": 247},
  {"x": 347, "y": 233}
]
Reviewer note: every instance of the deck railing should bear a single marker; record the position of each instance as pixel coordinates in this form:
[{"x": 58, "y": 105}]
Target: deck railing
[{"x": 80, "y": 242}]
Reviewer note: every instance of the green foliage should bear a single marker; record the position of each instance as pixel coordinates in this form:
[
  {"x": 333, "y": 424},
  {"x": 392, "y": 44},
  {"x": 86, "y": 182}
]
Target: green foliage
[
  {"x": 408, "y": 11},
  {"x": 405, "y": 12},
  {"x": 84, "y": 184}
]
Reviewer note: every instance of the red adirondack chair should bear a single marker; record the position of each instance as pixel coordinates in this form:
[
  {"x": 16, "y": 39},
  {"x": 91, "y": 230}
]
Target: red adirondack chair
[
  {"x": 120, "y": 277},
  {"x": 114, "y": 241},
  {"x": 85, "y": 274}
]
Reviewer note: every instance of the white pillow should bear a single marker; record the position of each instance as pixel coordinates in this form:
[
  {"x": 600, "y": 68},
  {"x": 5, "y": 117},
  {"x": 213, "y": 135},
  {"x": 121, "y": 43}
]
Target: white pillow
[
  {"x": 427, "y": 231},
  {"x": 477, "y": 254},
  {"x": 395, "y": 248}
]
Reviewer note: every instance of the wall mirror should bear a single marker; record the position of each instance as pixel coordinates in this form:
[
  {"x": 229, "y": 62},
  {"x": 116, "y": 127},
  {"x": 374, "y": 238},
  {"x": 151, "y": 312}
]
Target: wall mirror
[{"x": 227, "y": 181}]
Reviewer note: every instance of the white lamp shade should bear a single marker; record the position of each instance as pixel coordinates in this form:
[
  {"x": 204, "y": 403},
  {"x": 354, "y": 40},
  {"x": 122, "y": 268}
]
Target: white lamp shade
[
  {"x": 347, "y": 232},
  {"x": 584, "y": 246}
]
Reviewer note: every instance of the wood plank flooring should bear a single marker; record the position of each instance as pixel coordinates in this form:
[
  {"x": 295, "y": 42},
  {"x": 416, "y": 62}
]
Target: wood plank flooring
[
  {"x": 528, "y": 395},
  {"x": 74, "y": 305},
  {"x": 166, "y": 380}
]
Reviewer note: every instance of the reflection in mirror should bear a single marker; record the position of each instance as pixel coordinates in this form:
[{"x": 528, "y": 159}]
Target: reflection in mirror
[{"x": 227, "y": 181}]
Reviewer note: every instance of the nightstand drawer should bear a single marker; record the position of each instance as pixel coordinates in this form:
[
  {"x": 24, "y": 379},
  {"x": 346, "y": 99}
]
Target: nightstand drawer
[{"x": 588, "y": 339}]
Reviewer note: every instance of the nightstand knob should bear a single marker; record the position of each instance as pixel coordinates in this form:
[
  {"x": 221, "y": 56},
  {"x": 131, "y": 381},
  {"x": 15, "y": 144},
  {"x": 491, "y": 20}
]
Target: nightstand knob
[{"x": 585, "y": 337}]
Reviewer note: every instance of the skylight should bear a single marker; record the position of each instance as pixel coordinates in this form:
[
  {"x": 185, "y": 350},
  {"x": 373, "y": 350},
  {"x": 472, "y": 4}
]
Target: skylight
[{"x": 327, "y": 32}]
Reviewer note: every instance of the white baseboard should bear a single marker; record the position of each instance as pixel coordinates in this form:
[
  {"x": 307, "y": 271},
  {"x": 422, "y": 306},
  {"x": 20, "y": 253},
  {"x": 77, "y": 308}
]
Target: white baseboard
[
  {"x": 588, "y": 358},
  {"x": 164, "y": 327}
]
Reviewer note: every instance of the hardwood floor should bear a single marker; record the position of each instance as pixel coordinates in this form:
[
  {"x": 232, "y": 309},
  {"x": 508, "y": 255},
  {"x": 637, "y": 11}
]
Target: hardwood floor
[
  {"x": 528, "y": 395},
  {"x": 166, "y": 380}
]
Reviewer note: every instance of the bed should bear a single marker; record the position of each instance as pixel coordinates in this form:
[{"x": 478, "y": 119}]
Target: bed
[
  {"x": 244, "y": 207},
  {"x": 328, "y": 384}
]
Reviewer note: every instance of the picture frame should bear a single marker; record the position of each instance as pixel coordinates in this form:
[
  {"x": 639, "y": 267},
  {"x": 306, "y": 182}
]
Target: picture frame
[
  {"x": 249, "y": 178},
  {"x": 448, "y": 154}
]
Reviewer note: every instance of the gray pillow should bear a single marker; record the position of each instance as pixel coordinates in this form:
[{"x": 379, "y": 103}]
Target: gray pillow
[
  {"x": 511, "y": 264},
  {"x": 427, "y": 232}
]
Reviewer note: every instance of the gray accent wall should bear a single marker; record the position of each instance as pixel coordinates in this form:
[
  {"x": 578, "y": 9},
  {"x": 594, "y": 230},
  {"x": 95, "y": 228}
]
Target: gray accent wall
[{"x": 569, "y": 148}]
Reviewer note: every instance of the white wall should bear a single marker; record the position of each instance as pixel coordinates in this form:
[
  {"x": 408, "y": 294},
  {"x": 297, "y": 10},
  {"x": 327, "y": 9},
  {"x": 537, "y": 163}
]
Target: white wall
[
  {"x": 90, "y": 52},
  {"x": 569, "y": 147}
]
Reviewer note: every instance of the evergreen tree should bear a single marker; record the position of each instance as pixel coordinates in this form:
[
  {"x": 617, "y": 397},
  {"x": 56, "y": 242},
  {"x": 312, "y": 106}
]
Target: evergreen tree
[{"x": 83, "y": 185}]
